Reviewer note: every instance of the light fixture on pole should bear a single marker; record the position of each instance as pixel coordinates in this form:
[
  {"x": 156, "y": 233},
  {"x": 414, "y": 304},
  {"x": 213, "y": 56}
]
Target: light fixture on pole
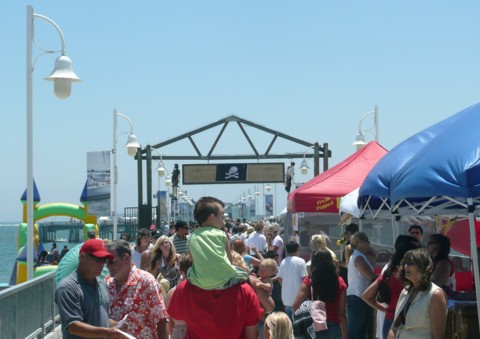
[
  {"x": 304, "y": 165},
  {"x": 62, "y": 76},
  {"x": 360, "y": 138},
  {"x": 132, "y": 147},
  {"x": 161, "y": 167},
  {"x": 168, "y": 183},
  {"x": 161, "y": 172},
  {"x": 257, "y": 194}
]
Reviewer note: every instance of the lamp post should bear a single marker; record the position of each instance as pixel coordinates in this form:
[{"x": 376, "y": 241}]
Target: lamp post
[
  {"x": 62, "y": 77},
  {"x": 132, "y": 146},
  {"x": 360, "y": 138},
  {"x": 175, "y": 182},
  {"x": 304, "y": 165},
  {"x": 168, "y": 183},
  {"x": 160, "y": 172},
  {"x": 257, "y": 207}
]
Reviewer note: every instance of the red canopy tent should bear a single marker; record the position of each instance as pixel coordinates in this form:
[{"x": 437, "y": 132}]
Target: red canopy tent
[{"x": 323, "y": 193}]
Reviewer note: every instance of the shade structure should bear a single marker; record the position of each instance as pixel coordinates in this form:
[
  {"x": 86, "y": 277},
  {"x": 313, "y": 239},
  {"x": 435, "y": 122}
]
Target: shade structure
[
  {"x": 323, "y": 192},
  {"x": 374, "y": 193},
  {"x": 348, "y": 204},
  {"x": 441, "y": 176}
]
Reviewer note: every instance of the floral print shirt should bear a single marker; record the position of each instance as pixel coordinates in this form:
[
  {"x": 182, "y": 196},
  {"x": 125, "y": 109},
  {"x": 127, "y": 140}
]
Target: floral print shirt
[{"x": 140, "y": 297}]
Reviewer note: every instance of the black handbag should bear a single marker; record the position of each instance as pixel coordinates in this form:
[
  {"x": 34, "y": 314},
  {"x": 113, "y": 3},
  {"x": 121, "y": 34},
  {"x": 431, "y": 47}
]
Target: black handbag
[
  {"x": 304, "y": 325},
  {"x": 303, "y": 322}
]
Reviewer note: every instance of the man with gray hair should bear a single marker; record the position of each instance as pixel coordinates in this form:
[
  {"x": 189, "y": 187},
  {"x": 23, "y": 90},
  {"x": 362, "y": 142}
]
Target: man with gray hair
[{"x": 135, "y": 293}]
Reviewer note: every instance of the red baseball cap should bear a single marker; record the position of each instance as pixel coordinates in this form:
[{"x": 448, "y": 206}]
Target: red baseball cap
[{"x": 97, "y": 248}]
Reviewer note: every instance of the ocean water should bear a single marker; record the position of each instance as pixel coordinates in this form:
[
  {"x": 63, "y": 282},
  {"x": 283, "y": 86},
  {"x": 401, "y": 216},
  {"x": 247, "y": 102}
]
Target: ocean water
[{"x": 9, "y": 250}]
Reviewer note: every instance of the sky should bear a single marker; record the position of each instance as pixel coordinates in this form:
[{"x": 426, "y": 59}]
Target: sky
[{"x": 309, "y": 69}]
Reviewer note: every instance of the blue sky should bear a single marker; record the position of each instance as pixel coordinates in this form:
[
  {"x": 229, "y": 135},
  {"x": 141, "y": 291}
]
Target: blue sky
[{"x": 309, "y": 69}]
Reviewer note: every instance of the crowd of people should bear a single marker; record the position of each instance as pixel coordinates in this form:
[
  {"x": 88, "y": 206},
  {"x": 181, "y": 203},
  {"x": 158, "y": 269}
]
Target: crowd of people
[
  {"x": 236, "y": 280},
  {"x": 51, "y": 258}
]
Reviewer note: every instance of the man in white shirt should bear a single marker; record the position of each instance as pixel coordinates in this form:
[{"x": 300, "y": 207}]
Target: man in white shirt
[
  {"x": 257, "y": 239},
  {"x": 290, "y": 275}
]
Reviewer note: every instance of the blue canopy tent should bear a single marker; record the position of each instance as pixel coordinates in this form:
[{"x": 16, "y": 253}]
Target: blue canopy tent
[
  {"x": 374, "y": 194},
  {"x": 434, "y": 172}
]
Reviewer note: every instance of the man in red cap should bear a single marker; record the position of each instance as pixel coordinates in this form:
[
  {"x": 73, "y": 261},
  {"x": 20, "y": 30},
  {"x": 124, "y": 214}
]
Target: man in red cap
[{"x": 82, "y": 298}]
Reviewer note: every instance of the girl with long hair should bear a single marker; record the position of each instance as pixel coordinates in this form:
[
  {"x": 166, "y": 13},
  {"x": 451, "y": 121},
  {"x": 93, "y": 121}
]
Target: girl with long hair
[
  {"x": 421, "y": 310},
  {"x": 328, "y": 287},
  {"x": 163, "y": 260},
  {"x": 387, "y": 288}
]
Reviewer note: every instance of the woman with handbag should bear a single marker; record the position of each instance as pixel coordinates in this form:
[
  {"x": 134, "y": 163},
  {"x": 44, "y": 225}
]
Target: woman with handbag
[{"x": 324, "y": 284}]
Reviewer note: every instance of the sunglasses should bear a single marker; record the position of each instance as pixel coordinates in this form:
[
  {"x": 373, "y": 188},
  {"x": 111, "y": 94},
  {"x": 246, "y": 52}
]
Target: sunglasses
[
  {"x": 112, "y": 261},
  {"x": 98, "y": 260}
]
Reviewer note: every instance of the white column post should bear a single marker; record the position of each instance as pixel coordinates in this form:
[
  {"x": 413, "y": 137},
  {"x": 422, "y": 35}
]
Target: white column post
[
  {"x": 30, "y": 218},
  {"x": 115, "y": 176}
]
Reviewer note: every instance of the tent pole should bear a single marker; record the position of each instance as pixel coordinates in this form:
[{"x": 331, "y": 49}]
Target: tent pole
[{"x": 474, "y": 254}]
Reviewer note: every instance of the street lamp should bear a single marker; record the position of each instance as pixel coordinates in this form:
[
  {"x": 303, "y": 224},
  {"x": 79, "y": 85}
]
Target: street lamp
[
  {"x": 304, "y": 165},
  {"x": 168, "y": 183},
  {"x": 132, "y": 147},
  {"x": 360, "y": 138},
  {"x": 257, "y": 202},
  {"x": 62, "y": 77},
  {"x": 161, "y": 172},
  {"x": 316, "y": 166}
]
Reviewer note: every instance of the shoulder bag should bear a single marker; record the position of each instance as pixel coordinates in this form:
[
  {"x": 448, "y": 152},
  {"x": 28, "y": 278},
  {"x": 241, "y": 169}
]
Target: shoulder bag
[{"x": 309, "y": 318}]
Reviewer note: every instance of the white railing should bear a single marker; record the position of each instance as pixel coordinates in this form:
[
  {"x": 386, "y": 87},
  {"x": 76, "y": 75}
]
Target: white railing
[{"x": 28, "y": 310}]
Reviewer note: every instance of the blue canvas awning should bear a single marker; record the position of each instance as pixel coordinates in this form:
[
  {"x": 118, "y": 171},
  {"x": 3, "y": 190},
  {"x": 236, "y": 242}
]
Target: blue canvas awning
[{"x": 434, "y": 172}]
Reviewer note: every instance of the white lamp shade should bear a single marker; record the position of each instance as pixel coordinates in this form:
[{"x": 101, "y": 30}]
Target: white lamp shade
[
  {"x": 161, "y": 170},
  {"x": 359, "y": 141},
  {"x": 168, "y": 181},
  {"x": 62, "y": 77},
  {"x": 268, "y": 188},
  {"x": 304, "y": 167},
  {"x": 132, "y": 145}
]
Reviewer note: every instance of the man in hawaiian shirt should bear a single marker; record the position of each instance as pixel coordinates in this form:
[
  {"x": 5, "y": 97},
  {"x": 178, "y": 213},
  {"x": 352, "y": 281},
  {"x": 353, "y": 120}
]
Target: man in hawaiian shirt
[{"x": 136, "y": 293}]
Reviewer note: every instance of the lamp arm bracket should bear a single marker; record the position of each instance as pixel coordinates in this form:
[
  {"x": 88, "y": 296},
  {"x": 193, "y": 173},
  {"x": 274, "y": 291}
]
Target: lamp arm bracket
[
  {"x": 160, "y": 154},
  {"x": 126, "y": 118},
  {"x": 35, "y": 15},
  {"x": 361, "y": 121}
]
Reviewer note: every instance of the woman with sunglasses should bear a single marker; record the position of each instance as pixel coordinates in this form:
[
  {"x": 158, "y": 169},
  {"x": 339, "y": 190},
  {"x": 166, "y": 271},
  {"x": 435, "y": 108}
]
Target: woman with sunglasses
[{"x": 421, "y": 310}]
